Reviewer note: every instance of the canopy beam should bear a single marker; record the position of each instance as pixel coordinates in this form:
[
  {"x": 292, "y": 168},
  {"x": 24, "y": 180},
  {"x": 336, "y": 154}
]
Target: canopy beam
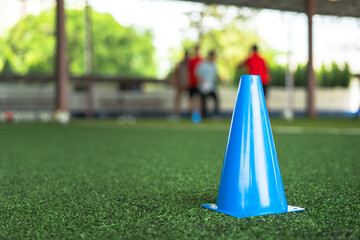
[{"x": 311, "y": 84}]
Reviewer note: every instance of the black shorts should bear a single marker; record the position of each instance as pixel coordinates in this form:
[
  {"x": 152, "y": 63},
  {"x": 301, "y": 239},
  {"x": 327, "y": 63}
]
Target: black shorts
[
  {"x": 265, "y": 88},
  {"x": 193, "y": 91}
]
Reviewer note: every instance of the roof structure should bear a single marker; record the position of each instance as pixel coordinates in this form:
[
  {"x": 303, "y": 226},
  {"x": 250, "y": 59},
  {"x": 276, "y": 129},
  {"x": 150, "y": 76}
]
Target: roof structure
[{"x": 340, "y": 8}]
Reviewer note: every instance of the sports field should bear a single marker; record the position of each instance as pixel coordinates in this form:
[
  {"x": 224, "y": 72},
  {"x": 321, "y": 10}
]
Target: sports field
[{"x": 103, "y": 180}]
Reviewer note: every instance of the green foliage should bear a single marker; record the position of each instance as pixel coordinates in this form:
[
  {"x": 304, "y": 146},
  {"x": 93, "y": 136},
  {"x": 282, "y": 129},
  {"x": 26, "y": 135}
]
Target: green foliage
[
  {"x": 30, "y": 46},
  {"x": 300, "y": 76},
  {"x": 7, "y": 69},
  {"x": 326, "y": 77},
  {"x": 2, "y": 52},
  {"x": 334, "y": 76},
  {"x": 346, "y": 75},
  {"x": 237, "y": 76},
  {"x": 122, "y": 50},
  {"x": 278, "y": 75}
]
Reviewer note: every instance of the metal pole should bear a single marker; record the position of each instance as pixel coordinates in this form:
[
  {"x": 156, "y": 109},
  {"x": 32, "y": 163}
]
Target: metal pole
[
  {"x": 311, "y": 111},
  {"x": 89, "y": 59},
  {"x": 62, "y": 75},
  {"x": 289, "y": 78}
]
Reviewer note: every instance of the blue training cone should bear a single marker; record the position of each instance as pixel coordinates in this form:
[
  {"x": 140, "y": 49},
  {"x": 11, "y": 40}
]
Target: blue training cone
[{"x": 250, "y": 183}]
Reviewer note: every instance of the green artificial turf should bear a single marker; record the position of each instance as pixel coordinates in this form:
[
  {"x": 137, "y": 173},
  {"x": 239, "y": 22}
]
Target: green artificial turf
[{"x": 102, "y": 180}]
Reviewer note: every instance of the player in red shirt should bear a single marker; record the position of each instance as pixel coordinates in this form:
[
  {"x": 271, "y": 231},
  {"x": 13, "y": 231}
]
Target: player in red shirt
[
  {"x": 256, "y": 65},
  {"x": 193, "y": 81}
]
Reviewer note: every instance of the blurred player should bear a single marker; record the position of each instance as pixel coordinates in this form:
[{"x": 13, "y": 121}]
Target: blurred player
[
  {"x": 180, "y": 81},
  {"x": 256, "y": 65},
  {"x": 208, "y": 77},
  {"x": 194, "y": 92}
]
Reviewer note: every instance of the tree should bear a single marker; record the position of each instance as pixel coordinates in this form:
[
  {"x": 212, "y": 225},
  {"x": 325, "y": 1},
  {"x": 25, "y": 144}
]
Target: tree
[
  {"x": 277, "y": 73},
  {"x": 345, "y": 76},
  {"x": 7, "y": 69},
  {"x": 324, "y": 76},
  {"x": 334, "y": 76},
  {"x": 118, "y": 50},
  {"x": 300, "y": 76}
]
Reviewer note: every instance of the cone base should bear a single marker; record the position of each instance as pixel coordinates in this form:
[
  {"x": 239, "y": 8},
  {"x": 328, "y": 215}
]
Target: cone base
[{"x": 238, "y": 215}]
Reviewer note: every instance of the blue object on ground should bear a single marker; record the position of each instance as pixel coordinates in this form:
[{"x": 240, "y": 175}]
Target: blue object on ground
[
  {"x": 196, "y": 116},
  {"x": 250, "y": 183}
]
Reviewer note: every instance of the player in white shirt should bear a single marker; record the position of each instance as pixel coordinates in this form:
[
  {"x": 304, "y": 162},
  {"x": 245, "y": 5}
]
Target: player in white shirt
[{"x": 207, "y": 75}]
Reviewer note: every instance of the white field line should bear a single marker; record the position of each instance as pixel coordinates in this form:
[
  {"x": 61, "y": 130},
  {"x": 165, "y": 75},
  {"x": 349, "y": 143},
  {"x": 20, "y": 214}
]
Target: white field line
[
  {"x": 317, "y": 130},
  {"x": 209, "y": 128},
  {"x": 156, "y": 127}
]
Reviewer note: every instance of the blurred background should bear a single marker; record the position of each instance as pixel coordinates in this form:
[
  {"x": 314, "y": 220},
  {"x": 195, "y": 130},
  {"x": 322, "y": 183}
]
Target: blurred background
[
  {"x": 118, "y": 57},
  {"x": 130, "y": 164}
]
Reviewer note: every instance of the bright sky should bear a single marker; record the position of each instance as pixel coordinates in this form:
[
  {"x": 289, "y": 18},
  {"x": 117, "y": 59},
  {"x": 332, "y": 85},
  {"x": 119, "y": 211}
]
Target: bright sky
[{"x": 335, "y": 39}]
